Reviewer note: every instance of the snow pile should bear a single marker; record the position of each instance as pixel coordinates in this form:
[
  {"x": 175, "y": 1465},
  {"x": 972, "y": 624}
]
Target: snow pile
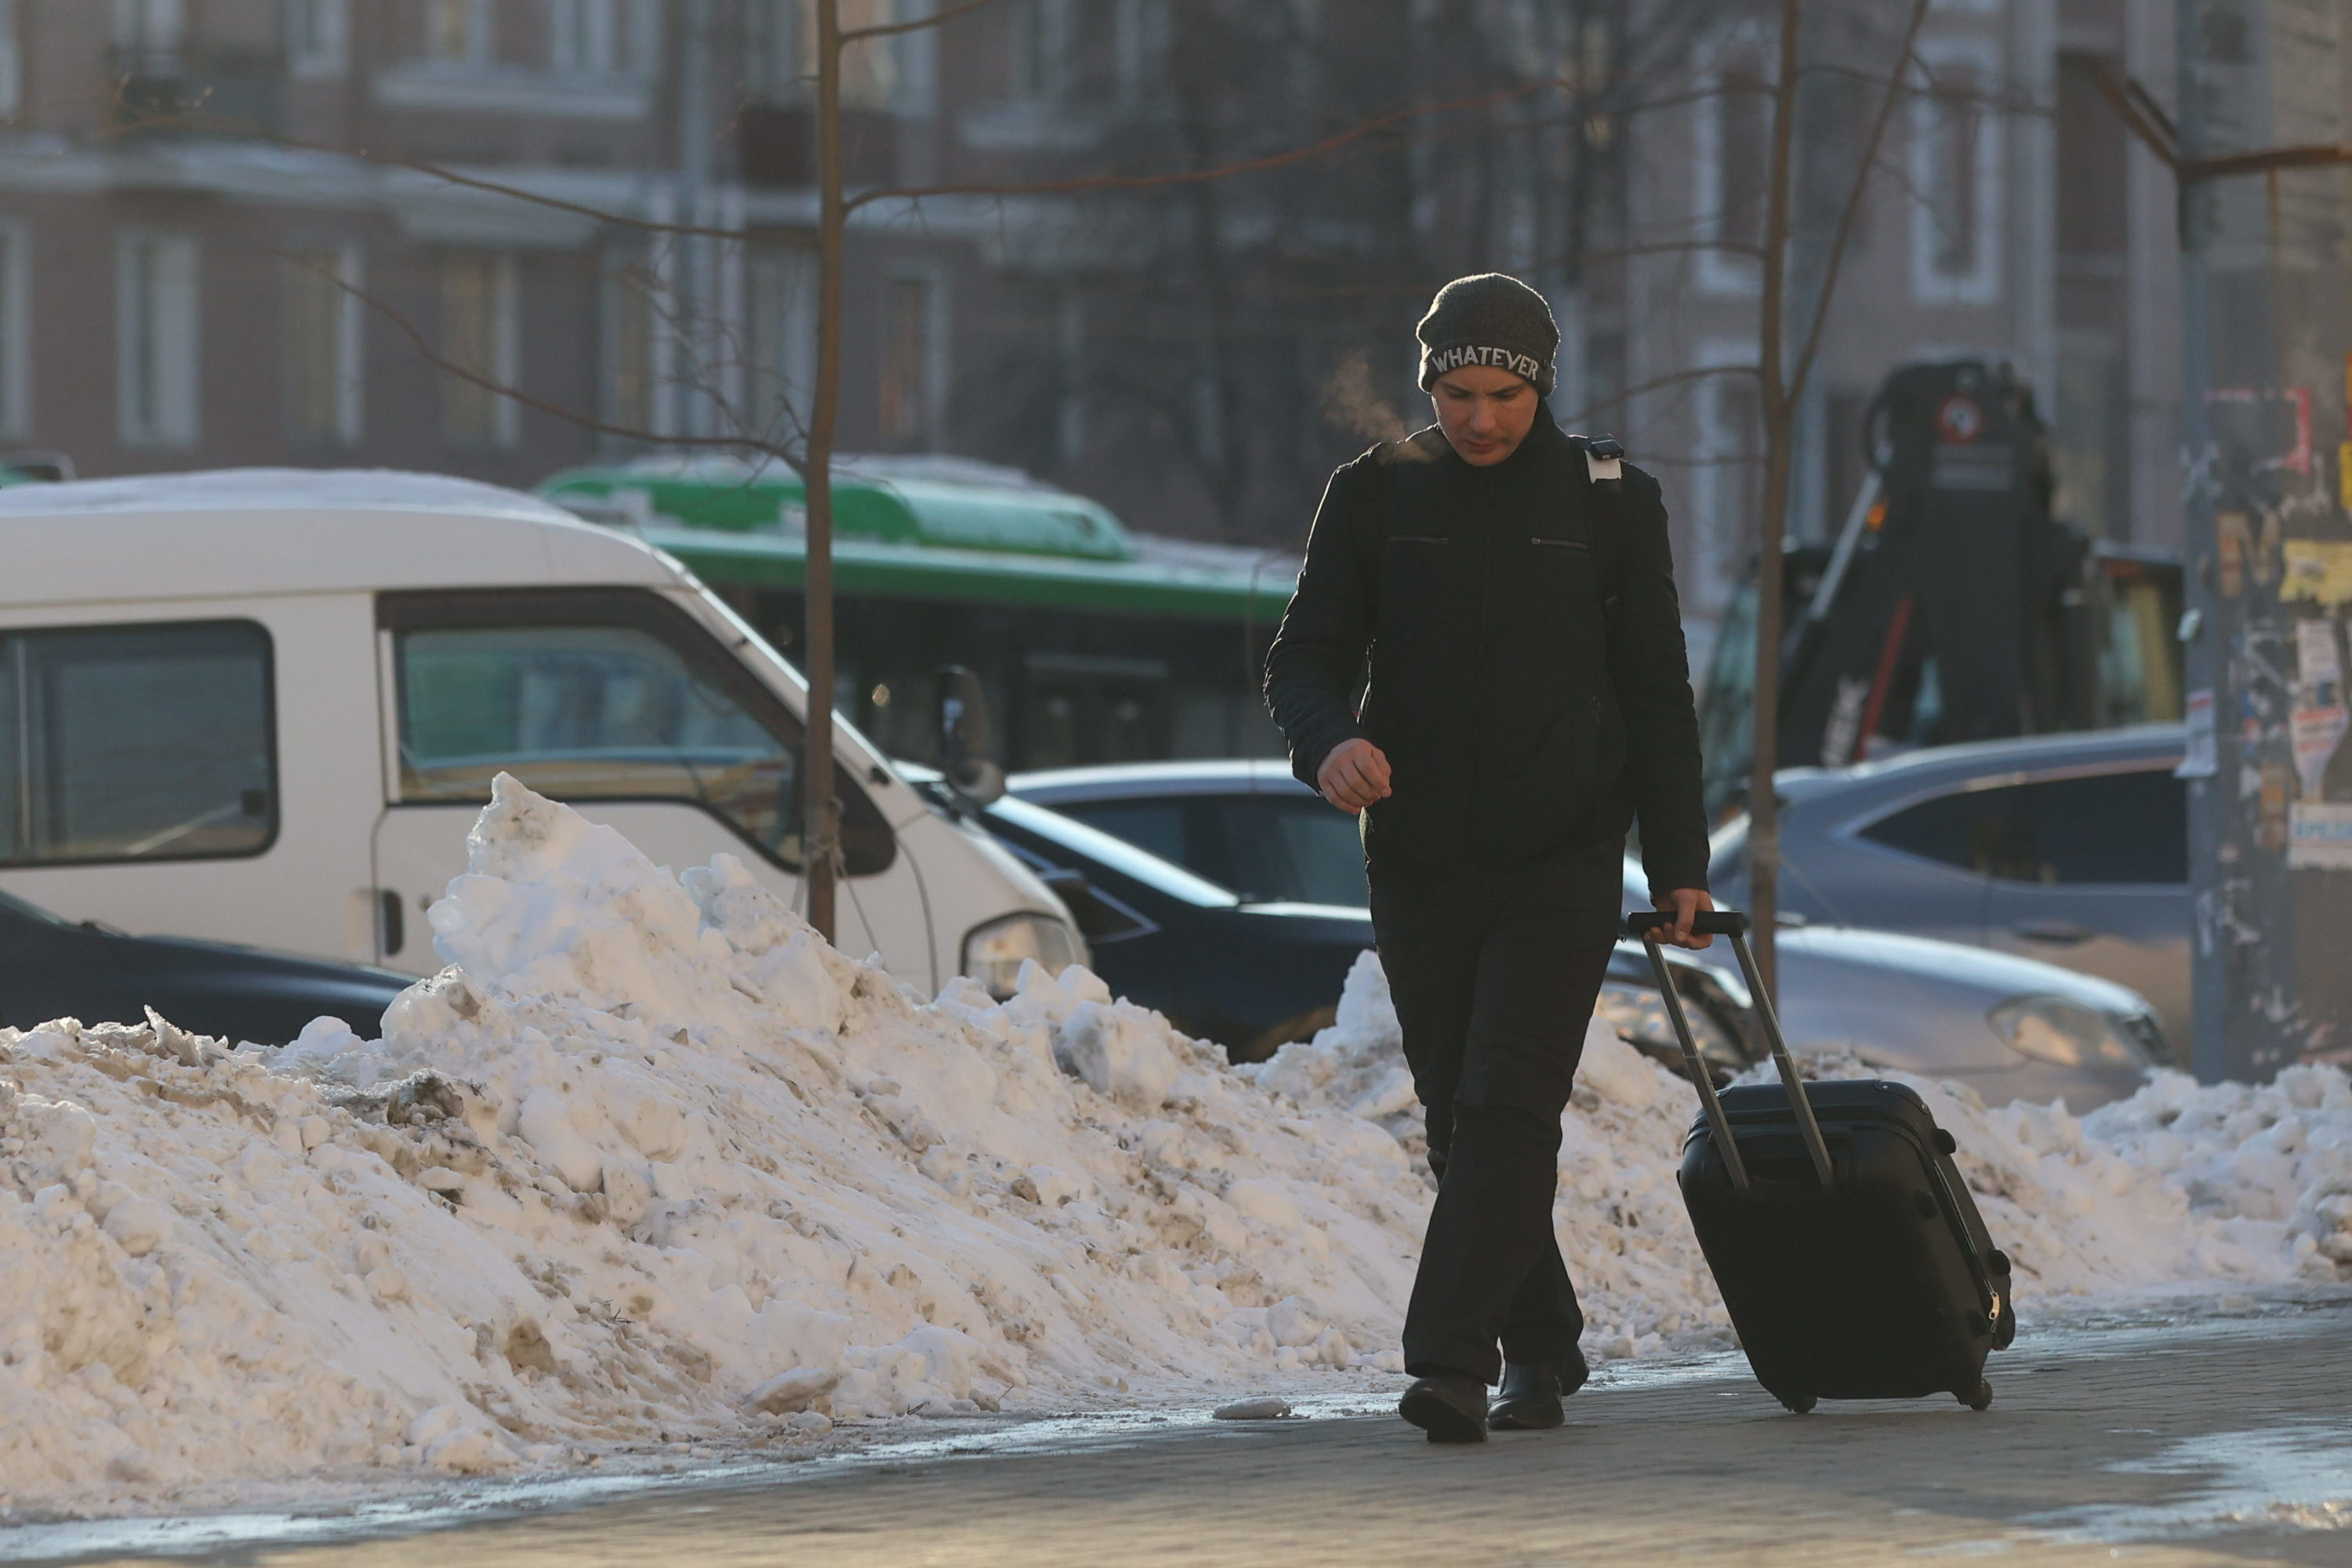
[
  {"x": 649, "y": 1163},
  {"x": 649, "y": 1160}
]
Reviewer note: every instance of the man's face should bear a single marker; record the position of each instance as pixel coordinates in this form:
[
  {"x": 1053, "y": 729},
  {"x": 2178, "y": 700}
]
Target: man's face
[{"x": 1486, "y": 412}]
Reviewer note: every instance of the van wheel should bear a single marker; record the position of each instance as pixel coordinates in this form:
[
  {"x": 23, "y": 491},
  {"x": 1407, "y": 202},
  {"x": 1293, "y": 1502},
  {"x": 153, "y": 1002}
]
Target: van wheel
[
  {"x": 1981, "y": 1399},
  {"x": 1302, "y": 1028},
  {"x": 1798, "y": 1404}
]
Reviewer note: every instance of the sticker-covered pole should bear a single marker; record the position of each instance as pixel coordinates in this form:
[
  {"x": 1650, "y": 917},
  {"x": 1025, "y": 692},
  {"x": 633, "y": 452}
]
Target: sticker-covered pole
[{"x": 2267, "y": 245}]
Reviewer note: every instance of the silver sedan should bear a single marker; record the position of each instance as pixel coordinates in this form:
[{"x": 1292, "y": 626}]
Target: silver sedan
[
  {"x": 2008, "y": 1027},
  {"x": 2068, "y": 848}
]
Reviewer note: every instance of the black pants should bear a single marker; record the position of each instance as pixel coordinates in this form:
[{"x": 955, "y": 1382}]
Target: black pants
[{"x": 1495, "y": 977}]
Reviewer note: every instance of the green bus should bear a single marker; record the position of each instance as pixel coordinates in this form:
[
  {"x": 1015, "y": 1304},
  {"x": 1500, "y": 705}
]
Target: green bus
[{"x": 1097, "y": 644}]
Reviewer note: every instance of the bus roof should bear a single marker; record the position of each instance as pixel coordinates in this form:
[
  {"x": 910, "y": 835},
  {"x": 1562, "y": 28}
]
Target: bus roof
[{"x": 925, "y": 528}]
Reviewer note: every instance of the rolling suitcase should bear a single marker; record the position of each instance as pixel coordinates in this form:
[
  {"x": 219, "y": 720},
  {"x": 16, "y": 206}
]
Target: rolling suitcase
[{"x": 1842, "y": 1238}]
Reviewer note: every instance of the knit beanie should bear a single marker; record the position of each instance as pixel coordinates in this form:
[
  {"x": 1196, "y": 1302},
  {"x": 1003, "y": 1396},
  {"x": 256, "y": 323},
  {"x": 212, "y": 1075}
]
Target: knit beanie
[{"x": 1489, "y": 319}]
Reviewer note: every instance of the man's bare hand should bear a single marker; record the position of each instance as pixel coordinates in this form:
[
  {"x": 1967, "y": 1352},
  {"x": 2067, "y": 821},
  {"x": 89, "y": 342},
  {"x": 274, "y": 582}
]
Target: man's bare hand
[
  {"x": 1353, "y": 776},
  {"x": 1688, "y": 904}
]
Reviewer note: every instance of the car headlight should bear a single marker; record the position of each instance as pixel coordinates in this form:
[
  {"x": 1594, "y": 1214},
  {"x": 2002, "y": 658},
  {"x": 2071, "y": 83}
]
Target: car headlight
[
  {"x": 993, "y": 952},
  {"x": 1639, "y": 1014},
  {"x": 2063, "y": 1034}
]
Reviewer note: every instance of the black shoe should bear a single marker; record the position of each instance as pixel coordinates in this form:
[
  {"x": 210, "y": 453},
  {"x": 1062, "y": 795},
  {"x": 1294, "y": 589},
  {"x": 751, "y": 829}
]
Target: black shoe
[
  {"x": 1451, "y": 1406},
  {"x": 1530, "y": 1399}
]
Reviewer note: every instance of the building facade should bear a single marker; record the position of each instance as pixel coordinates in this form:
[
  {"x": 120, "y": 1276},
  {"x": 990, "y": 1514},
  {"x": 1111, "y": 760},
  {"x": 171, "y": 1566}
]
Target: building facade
[{"x": 334, "y": 232}]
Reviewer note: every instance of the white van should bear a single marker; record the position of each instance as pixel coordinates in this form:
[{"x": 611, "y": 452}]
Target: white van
[{"x": 263, "y": 706}]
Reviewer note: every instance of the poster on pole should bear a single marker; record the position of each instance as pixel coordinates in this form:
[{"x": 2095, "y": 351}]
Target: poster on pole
[{"x": 2319, "y": 837}]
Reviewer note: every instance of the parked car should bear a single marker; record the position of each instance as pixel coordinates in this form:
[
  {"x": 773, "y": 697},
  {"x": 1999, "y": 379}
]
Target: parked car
[
  {"x": 264, "y": 706},
  {"x": 2011, "y": 1028},
  {"x": 2068, "y": 848},
  {"x": 1251, "y": 972},
  {"x": 51, "y": 968}
]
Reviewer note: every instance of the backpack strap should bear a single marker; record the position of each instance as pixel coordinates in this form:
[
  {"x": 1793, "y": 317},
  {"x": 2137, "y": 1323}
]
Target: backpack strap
[{"x": 1605, "y": 470}]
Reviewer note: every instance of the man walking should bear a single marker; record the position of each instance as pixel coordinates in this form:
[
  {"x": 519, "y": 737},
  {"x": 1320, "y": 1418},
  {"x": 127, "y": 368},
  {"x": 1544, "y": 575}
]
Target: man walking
[{"x": 1512, "y": 590}]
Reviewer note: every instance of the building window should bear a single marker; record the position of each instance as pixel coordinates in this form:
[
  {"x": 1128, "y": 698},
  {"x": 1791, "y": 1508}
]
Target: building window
[
  {"x": 1727, "y": 476},
  {"x": 480, "y": 339},
  {"x": 155, "y": 339},
  {"x": 630, "y": 323},
  {"x": 1040, "y": 50},
  {"x": 323, "y": 325},
  {"x": 1735, "y": 138},
  {"x": 781, "y": 46},
  {"x": 317, "y": 37},
  {"x": 149, "y": 32},
  {"x": 773, "y": 48},
  {"x": 584, "y": 35},
  {"x": 1954, "y": 175},
  {"x": 459, "y": 31},
  {"x": 12, "y": 66},
  {"x": 16, "y": 340},
  {"x": 781, "y": 350},
  {"x": 910, "y": 369}
]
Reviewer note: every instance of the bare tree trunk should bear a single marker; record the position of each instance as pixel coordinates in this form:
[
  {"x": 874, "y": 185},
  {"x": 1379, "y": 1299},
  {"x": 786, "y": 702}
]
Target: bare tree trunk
[
  {"x": 819, "y": 836},
  {"x": 1779, "y": 417}
]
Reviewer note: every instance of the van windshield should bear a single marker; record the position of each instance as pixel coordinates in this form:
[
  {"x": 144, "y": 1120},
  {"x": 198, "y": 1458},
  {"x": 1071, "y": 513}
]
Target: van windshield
[{"x": 581, "y": 707}]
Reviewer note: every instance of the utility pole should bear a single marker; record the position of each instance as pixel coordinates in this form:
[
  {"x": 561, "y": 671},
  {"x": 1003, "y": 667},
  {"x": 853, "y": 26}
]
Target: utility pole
[{"x": 2266, "y": 227}]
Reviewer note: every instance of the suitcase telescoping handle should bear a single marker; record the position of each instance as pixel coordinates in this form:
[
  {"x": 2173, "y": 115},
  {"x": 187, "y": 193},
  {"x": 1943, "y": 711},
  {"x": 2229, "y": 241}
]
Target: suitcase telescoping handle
[{"x": 1646, "y": 924}]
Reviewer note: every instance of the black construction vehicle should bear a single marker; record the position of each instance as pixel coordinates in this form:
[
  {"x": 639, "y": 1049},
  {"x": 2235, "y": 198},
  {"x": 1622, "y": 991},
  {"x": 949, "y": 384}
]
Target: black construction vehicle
[{"x": 1952, "y": 605}]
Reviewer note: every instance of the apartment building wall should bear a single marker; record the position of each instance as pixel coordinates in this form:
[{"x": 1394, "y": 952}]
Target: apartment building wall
[
  {"x": 216, "y": 215},
  {"x": 1198, "y": 356}
]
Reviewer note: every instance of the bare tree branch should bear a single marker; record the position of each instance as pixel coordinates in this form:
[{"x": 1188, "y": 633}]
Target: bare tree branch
[
  {"x": 888, "y": 30},
  {"x": 1657, "y": 384}
]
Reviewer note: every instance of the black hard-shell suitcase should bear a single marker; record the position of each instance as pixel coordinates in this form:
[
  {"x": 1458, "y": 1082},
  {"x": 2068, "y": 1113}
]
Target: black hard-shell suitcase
[{"x": 1842, "y": 1238}]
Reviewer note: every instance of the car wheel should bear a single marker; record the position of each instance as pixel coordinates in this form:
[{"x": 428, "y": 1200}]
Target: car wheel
[{"x": 1302, "y": 1028}]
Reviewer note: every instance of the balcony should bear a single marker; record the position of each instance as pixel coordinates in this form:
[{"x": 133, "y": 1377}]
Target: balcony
[
  {"x": 775, "y": 144},
  {"x": 197, "y": 92}
]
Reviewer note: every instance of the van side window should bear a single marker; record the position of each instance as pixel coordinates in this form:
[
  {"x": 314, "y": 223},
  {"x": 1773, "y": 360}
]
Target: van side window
[
  {"x": 2099, "y": 829},
  {"x": 145, "y": 742},
  {"x": 602, "y": 696}
]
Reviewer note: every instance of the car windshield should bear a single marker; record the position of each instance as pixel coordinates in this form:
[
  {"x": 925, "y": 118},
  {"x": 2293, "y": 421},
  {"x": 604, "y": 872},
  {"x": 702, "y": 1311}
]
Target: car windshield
[{"x": 1269, "y": 848}]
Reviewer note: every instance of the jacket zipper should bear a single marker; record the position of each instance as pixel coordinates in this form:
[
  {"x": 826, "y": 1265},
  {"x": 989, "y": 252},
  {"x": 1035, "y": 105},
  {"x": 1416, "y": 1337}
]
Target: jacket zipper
[{"x": 1561, "y": 543}]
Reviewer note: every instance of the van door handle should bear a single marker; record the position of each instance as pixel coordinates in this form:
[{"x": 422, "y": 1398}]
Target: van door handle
[
  {"x": 392, "y": 923},
  {"x": 2065, "y": 934}
]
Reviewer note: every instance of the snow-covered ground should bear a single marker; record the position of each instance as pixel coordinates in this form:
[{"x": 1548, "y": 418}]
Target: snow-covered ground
[{"x": 651, "y": 1163}]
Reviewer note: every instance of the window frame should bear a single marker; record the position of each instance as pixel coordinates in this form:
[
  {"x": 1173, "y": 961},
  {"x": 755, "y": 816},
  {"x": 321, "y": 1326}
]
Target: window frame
[
  {"x": 502, "y": 304},
  {"x": 9, "y": 670},
  {"x": 1855, "y": 831},
  {"x": 346, "y": 338},
  {"x": 636, "y": 609},
  {"x": 151, "y": 331},
  {"x": 1980, "y": 282},
  {"x": 12, "y": 60},
  {"x": 317, "y": 38},
  {"x": 1722, "y": 271},
  {"x": 16, "y": 328}
]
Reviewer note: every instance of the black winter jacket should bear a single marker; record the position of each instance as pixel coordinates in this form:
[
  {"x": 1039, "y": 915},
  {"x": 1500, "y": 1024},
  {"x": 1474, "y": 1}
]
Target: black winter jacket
[{"x": 1519, "y": 716}]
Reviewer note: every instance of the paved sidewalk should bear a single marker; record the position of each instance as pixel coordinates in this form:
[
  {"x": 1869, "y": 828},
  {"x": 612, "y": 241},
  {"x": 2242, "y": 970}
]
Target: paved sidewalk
[{"x": 2227, "y": 1442}]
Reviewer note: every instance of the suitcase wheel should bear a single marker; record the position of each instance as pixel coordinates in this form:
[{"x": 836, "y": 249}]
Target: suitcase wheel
[
  {"x": 1798, "y": 1404},
  {"x": 1980, "y": 1399}
]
